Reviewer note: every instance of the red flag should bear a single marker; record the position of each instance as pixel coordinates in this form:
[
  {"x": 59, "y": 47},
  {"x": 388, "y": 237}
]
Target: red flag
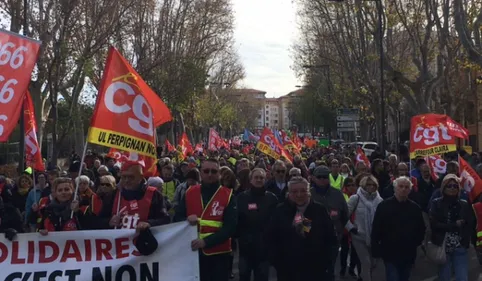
[
  {"x": 198, "y": 148},
  {"x": 434, "y": 134},
  {"x": 361, "y": 157},
  {"x": 124, "y": 116},
  {"x": 18, "y": 55},
  {"x": 32, "y": 149},
  {"x": 437, "y": 166},
  {"x": 269, "y": 145},
  {"x": 215, "y": 140},
  {"x": 186, "y": 146},
  {"x": 470, "y": 180},
  {"x": 149, "y": 163},
  {"x": 169, "y": 146}
]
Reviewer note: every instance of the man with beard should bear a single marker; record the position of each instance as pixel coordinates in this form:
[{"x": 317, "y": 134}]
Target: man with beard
[{"x": 255, "y": 207}]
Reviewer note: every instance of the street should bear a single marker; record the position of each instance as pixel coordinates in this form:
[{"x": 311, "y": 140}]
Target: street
[{"x": 424, "y": 270}]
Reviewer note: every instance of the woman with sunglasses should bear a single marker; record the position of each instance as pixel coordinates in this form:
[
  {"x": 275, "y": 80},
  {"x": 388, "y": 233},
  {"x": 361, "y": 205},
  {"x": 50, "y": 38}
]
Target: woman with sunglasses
[{"x": 452, "y": 221}]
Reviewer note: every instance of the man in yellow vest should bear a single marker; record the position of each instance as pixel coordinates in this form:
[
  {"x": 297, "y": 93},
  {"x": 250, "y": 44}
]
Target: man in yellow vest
[
  {"x": 336, "y": 180},
  {"x": 212, "y": 208}
]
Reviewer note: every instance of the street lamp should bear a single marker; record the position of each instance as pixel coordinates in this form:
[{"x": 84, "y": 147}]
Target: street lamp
[{"x": 382, "y": 87}]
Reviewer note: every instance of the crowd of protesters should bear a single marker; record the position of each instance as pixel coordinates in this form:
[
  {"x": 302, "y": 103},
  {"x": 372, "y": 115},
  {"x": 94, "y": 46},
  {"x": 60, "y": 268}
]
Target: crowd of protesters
[{"x": 299, "y": 217}]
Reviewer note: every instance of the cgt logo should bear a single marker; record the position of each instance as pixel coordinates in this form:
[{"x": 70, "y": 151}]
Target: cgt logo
[
  {"x": 216, "y": 210},
  {"x": 432, "y": 135}
]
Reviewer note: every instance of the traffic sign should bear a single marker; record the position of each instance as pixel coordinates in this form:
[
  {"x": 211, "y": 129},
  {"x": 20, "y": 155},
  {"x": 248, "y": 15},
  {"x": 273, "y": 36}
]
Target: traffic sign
[
  {"x": 346, "y": 129},
  {"x": 347, "y": 124},
  {"x": 349, "y": 118},
  {"x": 348, "y": 111}
]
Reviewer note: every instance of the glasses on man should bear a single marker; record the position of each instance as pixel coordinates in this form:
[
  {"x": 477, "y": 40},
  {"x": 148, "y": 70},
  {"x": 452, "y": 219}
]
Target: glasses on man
[
  {"x": 322, "y": 177},
  {"x": 280, "y": 171}
]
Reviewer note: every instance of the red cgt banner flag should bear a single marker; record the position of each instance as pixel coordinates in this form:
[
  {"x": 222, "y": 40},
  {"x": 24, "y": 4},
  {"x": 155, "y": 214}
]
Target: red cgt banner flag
[
  {"x": 186, "y": 146},
  {"x": 437, "y": 166},
  {"x": 433, "y": 134},
  {"x": 124, "y": 116},
  {"x": 18, "y": 55},
  {"x": 470, "y": 180},
  {"x": 269, "y": 145},
  {"x": 32, "y": 150}
]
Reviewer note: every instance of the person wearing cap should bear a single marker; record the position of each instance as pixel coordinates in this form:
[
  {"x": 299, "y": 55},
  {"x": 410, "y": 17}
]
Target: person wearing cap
[
  {"x": 452, "y": 221},
  {"x": 193, "y": 177},
  {"x": 211, "y": 207},
  {"x": 134, "y": 204},
  {"x": 334, "y": 201}
]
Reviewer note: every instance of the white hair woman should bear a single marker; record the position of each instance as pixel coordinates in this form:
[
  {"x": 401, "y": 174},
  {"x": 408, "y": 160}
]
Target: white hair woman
[
  {"x": 85, "y": 193},
  {"x": 363, "y": 205}
]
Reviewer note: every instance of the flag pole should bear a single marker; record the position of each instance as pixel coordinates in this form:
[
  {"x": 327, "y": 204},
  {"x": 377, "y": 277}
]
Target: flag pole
[{"x": 80, "y": 173}]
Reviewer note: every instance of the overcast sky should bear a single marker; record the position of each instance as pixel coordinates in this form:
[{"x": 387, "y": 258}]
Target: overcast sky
[{"x": 265, "y": 31}]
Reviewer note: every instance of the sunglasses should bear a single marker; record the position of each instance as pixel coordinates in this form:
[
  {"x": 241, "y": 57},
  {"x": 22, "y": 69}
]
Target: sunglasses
[
  {"x": 453, "y": 186},
  {"x": 280, "y": 171},
  {"x": 104, "y": 184},
  {"x": 210, "y": 171},
  {"x": 322, "y": 177}
]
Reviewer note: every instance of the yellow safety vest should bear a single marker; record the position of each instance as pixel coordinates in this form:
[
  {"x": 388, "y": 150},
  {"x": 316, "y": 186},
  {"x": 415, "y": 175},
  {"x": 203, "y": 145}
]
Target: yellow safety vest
[{"x": 338, "y": 183}]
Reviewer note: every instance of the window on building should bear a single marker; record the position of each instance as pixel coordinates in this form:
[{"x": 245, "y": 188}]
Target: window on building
[
  {"x": 267, "y": 106},
  {"x": 276, "y": 121},
  {"x": 267, "y": 112},
  {"x": 259, "y": 116},
  {"x": 267, "y": 124},
  {"x": 276, "y": 115},
  {"x": 267, "y": 118}
]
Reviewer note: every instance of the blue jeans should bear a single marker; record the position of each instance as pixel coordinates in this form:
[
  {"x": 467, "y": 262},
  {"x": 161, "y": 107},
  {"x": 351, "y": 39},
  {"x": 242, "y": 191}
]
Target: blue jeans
[
  {"x": 397, "y": 272},
  {"x": 459, "y": 261}
]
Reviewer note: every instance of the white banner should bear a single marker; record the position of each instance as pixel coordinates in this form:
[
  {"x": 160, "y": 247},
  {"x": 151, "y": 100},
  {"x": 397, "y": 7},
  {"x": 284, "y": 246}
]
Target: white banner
[{"x": 103, "y": 255}]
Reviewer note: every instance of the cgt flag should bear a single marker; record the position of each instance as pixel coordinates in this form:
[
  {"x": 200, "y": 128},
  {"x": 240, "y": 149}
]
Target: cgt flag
[
  {"x": 18, "y": 55},
  {"x": 361, "y": 157},
  {"x": 149, "y": 163},
  {"x": 32, "y": 149},
  {"x": 434, "y": 134},
  {"x": 124, "y": 116},
  {"x": 470, "y": 180}
]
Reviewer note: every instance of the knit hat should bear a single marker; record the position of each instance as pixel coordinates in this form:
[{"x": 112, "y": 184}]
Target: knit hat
[{"x": 156, "y": 182}]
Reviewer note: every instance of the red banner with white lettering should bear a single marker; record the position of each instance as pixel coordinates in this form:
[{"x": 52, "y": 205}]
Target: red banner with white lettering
[
  {"x": 33, "y": 157},
  {"x": 470, "y": 180},
  {"x": 18, "y": 55},
  {"x": 437, "y": 166},
  {"x": 124, "y": 116},
  {"x": 269, "y": 145},
  {"x": 361, "y": 157},
  {"x": 433, "y": 134},
  {"x": 288, "y": 143}
]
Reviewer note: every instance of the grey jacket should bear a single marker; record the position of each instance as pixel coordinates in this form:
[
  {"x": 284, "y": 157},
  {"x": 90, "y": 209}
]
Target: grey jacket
[{"x": 335, "y": 203}]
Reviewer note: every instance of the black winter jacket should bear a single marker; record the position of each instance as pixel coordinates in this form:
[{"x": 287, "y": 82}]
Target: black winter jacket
[
  {"x": 296, "y": 257},
  {"x": 440, "y": 223}
]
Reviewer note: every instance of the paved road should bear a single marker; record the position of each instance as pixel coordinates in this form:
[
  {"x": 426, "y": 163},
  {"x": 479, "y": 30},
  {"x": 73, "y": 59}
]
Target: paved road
[{"x": 424, "y": 270}]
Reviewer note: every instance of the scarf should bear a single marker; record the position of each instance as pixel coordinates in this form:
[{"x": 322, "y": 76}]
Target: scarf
[
  {"x": 60, "y": 210},
  {"x": 370, "y": 201},
  {"x": 23, "y": 191}
]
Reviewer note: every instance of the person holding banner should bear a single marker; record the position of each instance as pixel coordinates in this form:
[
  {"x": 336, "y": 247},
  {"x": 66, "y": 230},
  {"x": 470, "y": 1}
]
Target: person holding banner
[
  {"x": 134, "y": 204},
  {"x": 211, "y": 207},
  {"x": 57, "y": 216}
]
